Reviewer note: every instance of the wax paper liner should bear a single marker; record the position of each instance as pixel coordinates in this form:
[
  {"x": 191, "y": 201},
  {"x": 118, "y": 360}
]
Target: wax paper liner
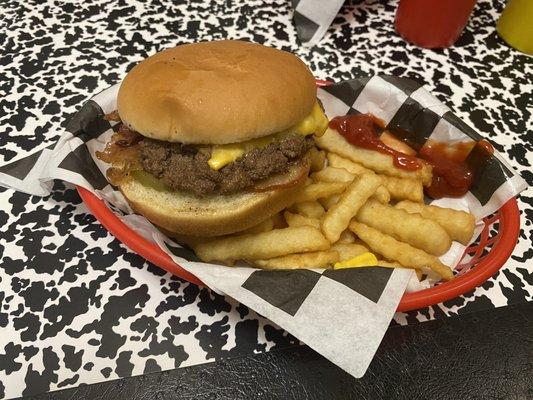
[{"x": 312, "y": 18}]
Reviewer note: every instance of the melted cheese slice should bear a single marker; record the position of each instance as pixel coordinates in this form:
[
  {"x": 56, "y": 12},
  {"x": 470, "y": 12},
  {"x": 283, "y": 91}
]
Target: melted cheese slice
[
  {"x": 363, "y": 260},
  {"x": 221, "y": 155}
]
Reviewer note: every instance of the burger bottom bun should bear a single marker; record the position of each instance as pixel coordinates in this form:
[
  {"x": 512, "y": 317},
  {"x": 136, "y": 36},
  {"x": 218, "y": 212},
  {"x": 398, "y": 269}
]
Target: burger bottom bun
[{"x": 185, "y": 214}]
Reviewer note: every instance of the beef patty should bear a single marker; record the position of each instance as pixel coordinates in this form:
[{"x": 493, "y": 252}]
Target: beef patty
[{"x": 185, "y": 168}]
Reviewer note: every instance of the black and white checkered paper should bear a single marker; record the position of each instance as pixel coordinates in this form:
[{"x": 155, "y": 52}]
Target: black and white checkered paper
[
  {"x": 341, "y": 314},
  {"x": 312, "y": 18}
]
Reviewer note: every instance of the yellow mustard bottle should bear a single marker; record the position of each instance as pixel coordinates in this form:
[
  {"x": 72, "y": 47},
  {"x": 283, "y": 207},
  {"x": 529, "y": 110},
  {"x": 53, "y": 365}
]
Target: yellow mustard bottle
[{"x": 515, "y": 25}]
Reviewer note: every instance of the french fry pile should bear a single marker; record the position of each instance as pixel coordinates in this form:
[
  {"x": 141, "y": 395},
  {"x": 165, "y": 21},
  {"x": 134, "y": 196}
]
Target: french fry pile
[{"x": 356, "y": 203}]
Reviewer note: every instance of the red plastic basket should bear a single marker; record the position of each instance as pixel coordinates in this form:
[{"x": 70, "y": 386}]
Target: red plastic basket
[{"x": 479, "y": 262}]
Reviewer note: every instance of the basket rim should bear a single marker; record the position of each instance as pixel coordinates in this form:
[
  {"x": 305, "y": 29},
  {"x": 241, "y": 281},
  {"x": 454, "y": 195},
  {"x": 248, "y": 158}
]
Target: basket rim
[
  {"x": 509, "y": 230},
  {"x": 499, "y": 254}
]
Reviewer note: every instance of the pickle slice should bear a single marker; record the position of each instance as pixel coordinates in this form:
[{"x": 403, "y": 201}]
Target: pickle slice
[{"x": 147, "y": 179}]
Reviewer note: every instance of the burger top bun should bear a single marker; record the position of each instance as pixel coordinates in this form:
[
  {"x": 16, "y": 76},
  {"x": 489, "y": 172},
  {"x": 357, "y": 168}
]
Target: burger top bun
[{"x": 216, "y": 93}]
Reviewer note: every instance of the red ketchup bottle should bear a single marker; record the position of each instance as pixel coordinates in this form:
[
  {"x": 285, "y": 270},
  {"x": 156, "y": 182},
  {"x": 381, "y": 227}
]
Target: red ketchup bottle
[{"x": 432, "y": 23}]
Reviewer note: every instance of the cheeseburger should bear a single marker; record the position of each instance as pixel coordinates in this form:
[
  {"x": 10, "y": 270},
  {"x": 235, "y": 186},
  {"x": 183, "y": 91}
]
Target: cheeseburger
[{"x": 214, "y": 137}]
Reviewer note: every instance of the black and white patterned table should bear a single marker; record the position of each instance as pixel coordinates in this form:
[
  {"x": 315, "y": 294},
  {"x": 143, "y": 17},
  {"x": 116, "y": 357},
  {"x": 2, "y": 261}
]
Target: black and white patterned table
[{"x": 76, "y": 305}]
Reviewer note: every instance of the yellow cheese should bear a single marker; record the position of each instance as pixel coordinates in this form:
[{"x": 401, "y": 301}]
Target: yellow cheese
[
  {"x": 364, "y": 260},
  {"x": 316, "y": 123},
  {"x": 224, "y": 154},
  {"x": 305, "y": 127},
  {"x": 321, "y": 120}
]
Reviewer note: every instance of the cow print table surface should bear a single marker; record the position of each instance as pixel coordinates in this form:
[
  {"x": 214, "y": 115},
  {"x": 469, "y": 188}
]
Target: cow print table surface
[{"x": 76, "y": 305}]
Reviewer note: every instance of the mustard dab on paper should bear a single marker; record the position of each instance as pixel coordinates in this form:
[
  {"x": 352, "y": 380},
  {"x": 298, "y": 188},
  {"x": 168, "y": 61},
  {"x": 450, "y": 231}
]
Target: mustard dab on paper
[{"x": 363, "y": 260}]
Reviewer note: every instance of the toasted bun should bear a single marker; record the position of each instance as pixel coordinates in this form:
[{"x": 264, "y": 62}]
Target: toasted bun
[
  {"x": 216, "y": 93},
  {"x": 185, "y": 214}
]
